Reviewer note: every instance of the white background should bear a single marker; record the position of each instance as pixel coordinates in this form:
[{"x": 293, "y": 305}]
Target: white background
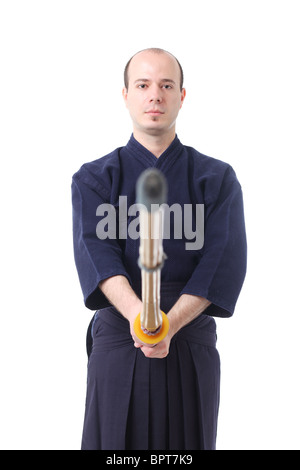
[{"x": 61, "y": 78}]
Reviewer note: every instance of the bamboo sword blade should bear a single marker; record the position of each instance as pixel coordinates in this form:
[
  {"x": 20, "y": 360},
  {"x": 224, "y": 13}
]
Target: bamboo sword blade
[{"x": 151, "y": 325}]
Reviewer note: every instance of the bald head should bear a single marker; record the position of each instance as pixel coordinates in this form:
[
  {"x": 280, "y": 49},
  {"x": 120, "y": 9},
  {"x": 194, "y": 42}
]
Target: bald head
[{"x": 151, "y": 51}]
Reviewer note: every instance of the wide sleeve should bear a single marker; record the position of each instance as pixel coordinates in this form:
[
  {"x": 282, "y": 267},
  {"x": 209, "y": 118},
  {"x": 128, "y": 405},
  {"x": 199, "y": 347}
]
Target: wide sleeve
[
  {"x": 96, "y": 259},
  {"x": 220, "y": 272}
]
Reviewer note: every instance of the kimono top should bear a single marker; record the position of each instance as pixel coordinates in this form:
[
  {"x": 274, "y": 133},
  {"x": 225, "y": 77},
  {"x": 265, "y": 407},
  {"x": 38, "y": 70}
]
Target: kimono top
[{"x": 214, "y": 271}]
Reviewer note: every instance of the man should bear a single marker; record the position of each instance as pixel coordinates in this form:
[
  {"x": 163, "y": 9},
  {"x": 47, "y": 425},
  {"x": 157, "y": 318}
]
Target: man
[{"x": 167, "y": 396}]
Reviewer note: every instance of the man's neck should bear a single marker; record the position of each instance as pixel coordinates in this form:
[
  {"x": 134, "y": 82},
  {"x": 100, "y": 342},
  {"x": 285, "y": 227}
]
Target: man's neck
[{"x": 156, "y": 144}]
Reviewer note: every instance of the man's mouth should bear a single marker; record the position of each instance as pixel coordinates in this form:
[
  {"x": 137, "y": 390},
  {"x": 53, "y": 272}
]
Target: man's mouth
[{"x": 154, "y": 112}]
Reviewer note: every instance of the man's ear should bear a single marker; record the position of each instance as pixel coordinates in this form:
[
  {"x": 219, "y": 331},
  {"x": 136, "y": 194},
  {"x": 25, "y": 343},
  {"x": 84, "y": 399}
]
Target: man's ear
[
  {"x": 125, "y": 93},
  {"x": 183, "y": 95}
]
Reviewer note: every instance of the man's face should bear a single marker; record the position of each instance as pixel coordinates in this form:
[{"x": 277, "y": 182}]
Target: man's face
[{"x": 153, "y": 97}]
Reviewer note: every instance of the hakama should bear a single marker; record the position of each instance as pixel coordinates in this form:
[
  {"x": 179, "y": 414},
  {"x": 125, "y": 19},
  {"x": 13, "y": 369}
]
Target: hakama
[
  {"x": 138, "y": 403},
  {"x": 134, "y": 402}
]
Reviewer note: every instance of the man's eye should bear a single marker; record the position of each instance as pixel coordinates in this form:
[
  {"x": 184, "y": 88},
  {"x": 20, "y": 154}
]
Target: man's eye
[
  {"x": 142, "y": 86},
  {"x": 168, "y": 87}
]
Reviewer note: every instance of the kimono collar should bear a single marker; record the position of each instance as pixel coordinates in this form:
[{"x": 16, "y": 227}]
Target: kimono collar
[{"x": 134, "y": 148}]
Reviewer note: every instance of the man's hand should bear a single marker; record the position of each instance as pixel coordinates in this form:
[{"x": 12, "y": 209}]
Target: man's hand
[
  {"x": 158, "y": 351},
  {"x": 121, "y": 295},
  {"x": 185, "y": 310}
]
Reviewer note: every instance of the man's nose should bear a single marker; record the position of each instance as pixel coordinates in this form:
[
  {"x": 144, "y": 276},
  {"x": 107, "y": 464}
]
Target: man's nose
[{"x": 155, "y": 94}]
